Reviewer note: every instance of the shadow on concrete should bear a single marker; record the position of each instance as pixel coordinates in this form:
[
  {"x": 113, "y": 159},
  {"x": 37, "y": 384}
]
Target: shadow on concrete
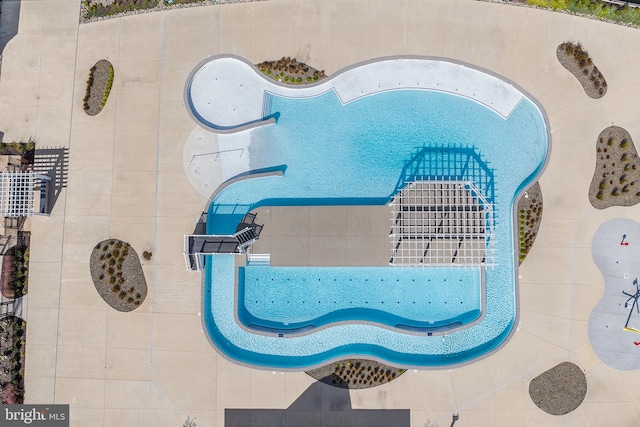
[
  {"x": 9, "y": 18},
  {"x": 319, "y": 406},
  {"x": 53, "y": 162},
  {"x": 201, "y": 225}
]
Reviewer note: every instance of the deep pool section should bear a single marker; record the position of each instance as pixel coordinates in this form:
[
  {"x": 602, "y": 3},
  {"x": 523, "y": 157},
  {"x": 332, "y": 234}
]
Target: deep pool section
[{"x": 289, "y": 299}]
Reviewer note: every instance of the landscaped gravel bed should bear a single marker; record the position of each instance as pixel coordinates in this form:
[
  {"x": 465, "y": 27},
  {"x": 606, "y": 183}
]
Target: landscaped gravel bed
[
  {"x": 117, "y": 274},
  {"x": 616, "y": 178},
  {"x": 355, "y": 373},
  {"x": 578, "y": 62},
  {"x": 559, "y": 390}
]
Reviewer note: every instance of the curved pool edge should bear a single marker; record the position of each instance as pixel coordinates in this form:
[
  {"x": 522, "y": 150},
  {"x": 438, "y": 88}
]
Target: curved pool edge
[
  {"x": 342, "y": 83},
  {"x": 232, "y": 353}
]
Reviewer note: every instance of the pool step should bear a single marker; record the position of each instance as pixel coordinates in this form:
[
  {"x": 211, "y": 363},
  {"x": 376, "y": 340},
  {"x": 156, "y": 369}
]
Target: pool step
[{"x": 259, "y": 260}]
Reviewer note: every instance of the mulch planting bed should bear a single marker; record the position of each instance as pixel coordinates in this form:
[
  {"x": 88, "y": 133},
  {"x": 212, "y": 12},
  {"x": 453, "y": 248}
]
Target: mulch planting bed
[
  {"x": 529, "y": 217},
  {"x": 98, "y": 10},
  {"x": 616, "y": 178},
  {"x": 98, "y": 87},
  {"x": 291, "y": 71},
  {"x": 13, "y": 331},
  {"x": 578, "y": 62},
  {"x": 355, "y": 374},
  {"x": 117, "y": 274}
]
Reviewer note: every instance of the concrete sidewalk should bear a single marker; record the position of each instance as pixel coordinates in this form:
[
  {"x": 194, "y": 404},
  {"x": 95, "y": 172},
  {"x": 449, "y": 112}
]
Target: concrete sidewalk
[{"x": 154, "y": 366}]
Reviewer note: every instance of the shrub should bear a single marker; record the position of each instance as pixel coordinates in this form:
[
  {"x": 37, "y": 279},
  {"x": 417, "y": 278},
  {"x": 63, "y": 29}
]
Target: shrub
[
  {"x": 118, "y": 6},
  {"x": 107, "y": 89},
  {"x": 88, "y": 90},
  {"x": 597, "y": 9}
]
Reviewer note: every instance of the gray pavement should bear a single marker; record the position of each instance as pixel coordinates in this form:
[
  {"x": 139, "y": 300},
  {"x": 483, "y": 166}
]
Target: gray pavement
[
  {"x": 614, "y": 324},
  {"x": 154, "y": 367}
]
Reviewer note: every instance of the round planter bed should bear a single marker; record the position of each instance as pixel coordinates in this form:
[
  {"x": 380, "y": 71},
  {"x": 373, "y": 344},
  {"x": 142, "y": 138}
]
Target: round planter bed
[{"x": 117, "y": 274}]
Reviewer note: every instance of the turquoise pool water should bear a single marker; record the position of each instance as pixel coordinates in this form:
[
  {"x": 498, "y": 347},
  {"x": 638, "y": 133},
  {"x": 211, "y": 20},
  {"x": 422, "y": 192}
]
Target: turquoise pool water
[
  {"x": 289, "y": 299},
  {"x": 362, "y": 153},
  {"x": 358, "y": 151}
]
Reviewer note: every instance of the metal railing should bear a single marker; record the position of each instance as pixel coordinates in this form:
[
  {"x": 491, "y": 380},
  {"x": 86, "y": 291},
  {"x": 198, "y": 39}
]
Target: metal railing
[{"x": 207, "y": 157}]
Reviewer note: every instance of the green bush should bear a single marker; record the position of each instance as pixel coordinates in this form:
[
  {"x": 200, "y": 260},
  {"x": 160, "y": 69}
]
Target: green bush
[
  {"x": 88, "y": 91},
  {"x": 626, "y": 14},
  {"x": 20, "y": 272},
  {"x": 553, "y": 4},
  {"x": 118, "y": 6},
  {"x": 107, "y": 90}
]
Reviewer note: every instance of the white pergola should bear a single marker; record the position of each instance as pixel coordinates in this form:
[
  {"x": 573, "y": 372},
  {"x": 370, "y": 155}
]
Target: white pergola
[
  {"x": 441, "y": 222},
  {"x": 19, "y": 192}
]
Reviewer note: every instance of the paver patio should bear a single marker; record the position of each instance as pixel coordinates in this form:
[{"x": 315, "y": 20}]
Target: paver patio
[{"x": 155, "y": 367}]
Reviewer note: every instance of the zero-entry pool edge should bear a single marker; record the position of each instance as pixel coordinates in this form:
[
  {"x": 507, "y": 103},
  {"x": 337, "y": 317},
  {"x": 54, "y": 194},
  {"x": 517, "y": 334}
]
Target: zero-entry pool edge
[{"x": 451, "y": 351}]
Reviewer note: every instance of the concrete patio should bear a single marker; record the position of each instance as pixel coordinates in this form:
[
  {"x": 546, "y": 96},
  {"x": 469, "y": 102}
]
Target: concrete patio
[{"x": 154, "y": 366}]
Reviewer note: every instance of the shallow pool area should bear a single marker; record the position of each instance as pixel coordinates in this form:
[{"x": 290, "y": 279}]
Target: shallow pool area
[
  {"x": 438, "y": 309},
  {"x": 294, "y": 300}
]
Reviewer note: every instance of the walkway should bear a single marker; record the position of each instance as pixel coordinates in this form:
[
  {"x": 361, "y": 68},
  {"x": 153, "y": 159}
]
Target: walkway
[{"x": 153, "y": 367}]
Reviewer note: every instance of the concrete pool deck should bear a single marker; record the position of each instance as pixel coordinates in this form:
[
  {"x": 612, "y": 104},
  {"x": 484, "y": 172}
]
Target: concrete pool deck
[
  {"x": 228, "y": 93},
  {"x": 154, "y": 367}
]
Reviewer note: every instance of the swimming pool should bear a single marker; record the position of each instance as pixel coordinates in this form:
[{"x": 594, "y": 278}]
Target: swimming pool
[{"x": 363, "y": 152}]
